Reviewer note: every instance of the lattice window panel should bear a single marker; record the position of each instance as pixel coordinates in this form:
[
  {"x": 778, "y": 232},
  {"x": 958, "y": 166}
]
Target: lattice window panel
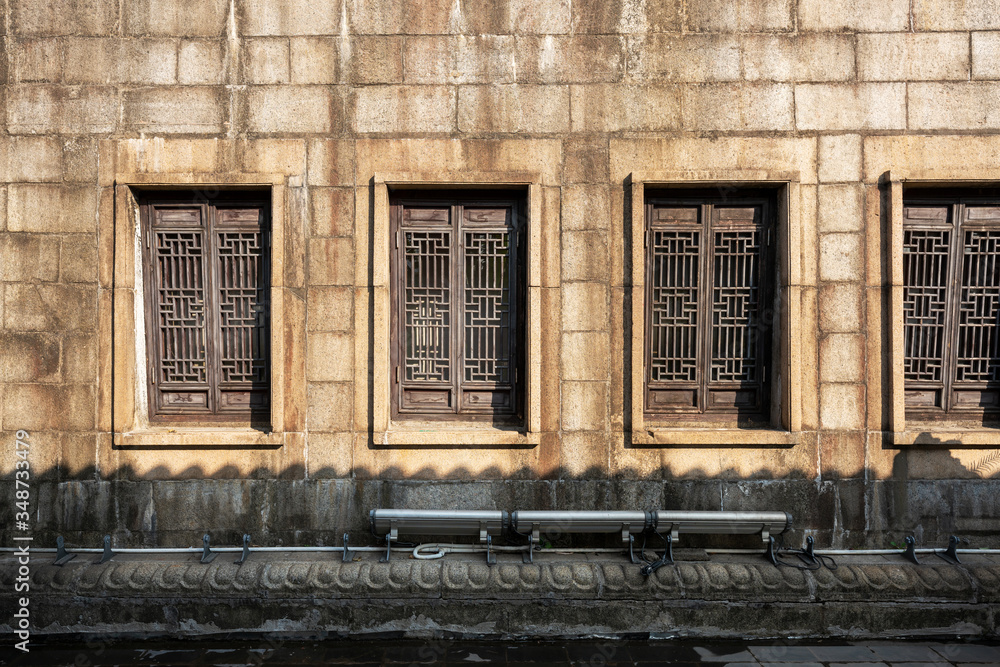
[
  {"x": 674, "y": 308},
  {"x": 208, "y": 307},
  {"x": 951, "y": 307},
  {"x": 427, "y": 306},
  {"x": 456, "y": 308},
  {"x": 707, "y": 281}
]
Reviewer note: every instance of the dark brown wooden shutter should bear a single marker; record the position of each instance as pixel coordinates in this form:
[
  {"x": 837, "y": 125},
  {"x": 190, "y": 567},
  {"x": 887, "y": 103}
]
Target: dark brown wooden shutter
[
  {"x": 951, "y": 307},
  {"x": 208, "y": 309},
  {"x": 455, "y": 313},
  {"x": 708, "y": 282}
]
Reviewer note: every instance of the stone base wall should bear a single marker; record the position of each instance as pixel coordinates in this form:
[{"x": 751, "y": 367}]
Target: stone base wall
[{"x": 846, "y": 514}]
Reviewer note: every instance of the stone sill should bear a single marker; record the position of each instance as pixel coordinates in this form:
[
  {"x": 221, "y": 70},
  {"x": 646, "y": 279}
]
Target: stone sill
[
  {"x": 447, "y": 434},
  {"x": 184, "y": 437},
  {"x": 726, "y": 437},
  {"x": 947, "y": 436}
]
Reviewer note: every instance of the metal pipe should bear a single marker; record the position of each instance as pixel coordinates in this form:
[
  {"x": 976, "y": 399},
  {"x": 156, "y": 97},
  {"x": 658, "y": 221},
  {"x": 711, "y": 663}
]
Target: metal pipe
[
  {"x": 187, "y": 550},
  {"x": 437, "y": 522},
  {"x": 722, "y": 523}
]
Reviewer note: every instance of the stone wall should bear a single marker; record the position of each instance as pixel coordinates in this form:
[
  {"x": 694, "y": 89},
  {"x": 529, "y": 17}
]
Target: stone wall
[{"x": 838, "y": 102}]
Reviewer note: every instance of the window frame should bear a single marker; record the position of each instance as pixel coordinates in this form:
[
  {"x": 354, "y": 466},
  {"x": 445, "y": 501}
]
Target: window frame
[
  {"x": 784, "y": 426},
  {"x": 124, "y": 406},
  {"x": 456, "y": 201},
  {"x": 901, "y": 430},
  {"x": 706, "y": 202},
  {"x": 373, "y": 382},
  {"x": 154, "y": 199}
]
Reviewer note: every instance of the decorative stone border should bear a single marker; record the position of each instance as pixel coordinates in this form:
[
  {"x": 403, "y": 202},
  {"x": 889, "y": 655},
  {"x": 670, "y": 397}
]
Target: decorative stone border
[{"x": 556, "y": 596}]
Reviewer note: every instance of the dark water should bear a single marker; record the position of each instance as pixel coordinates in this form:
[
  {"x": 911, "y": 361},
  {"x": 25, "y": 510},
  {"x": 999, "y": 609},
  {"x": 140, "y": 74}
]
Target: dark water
[{"x": 286, "y": 652}]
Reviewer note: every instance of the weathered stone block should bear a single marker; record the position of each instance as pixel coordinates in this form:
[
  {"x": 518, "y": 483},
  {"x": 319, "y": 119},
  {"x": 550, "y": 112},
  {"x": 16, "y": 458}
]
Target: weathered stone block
[
  {"x": 840, "y": 158},
  {"x": 97, "y": 60},
  {"x": 614, "y": 108},
  {"x": 331, "y": 212},
  {"x": 51, "y": 208},
  {"x": 63, "y": 17},
  {"x": 586, "y": 207},
  {"x": 390, "y": 109},
  {"x": 840, "y": 257},
  {"x": 584, "y": 406},
  {"x": 49, "y": 407},
  {"x": 842, "y": 407},
  {"x": 79, "y": 159},
  {"x": 627, "y": 16},
  {"x": 461, "y": 59},
  {"x": 840, "y": 208},
  {"x": 954, "y": 106},
  {"x": 956, "y": 14},
  {"x": 78, "y": 259},
  {"x": 79, "y": 357},
  {"x": 737, "y": 107},
  {"x": 585, "y": 356},
  {"x": 29, "y": 258},
  {"x": 585, "y": 159},
  {"x": 294, "y": 17},
  {"x": 869, "y": 106},
  {"x": 330, "y": 162},
  {"x": 804, "y": 57},
  {"x": 513, "y": 108},
  {"x": 47, "y": 307},
  {"x": 331, "y": 261},
  {"x": 330, "y": 357},
  {"x": 200, "y": 61},
  {"x": 175, "y": 17},
  {"x": 584, "y": 256},
  {"x": 741, "y": 16},
  {"x": 29, "y": 357},
  {"x": 846, "y": 15},
  {"x": 374, "y": 60},
  {"x": 330, "y": 309},
  {"x": 571, "y": 59},
  {"x": 28, "y": 159},
  {"x": 694, "y": 58},
  {"x": 42, "y": 109},
  {"x": 315, "y": 59},
  {"x": 842, "y": 358},
  {"x": 290, "y": 109},
  {"x": 840, "y": 307},
  {"x": 523, "y": 17},
  {"x": 842, "y": 456},
  {"x": 35, "y": 60},
  {"x": 986, "y": 55},
  {"x": 913, "y": 57},
  {"x": 265, "y": 60},
  {"x": 584, "y": 456},
  {"x": 186, "y": 110},
  {"x": 274, "y": 156},
  {"x": 330, "y": 406},
  {"x": 585, "y": 307}
]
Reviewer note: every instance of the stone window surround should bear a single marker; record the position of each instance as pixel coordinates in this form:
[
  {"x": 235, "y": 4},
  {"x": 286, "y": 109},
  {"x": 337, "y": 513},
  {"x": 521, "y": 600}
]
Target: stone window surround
[
  {"x": 902, "y": 431},
  {"x": 788, "y": 367},
  {"x": 129, "y": 408},
  {"x": 449, "y": 434}
]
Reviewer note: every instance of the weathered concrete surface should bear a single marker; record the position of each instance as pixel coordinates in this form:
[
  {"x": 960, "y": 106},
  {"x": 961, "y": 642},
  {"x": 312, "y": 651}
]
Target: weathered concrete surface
[{"x": 557, "y": 596}]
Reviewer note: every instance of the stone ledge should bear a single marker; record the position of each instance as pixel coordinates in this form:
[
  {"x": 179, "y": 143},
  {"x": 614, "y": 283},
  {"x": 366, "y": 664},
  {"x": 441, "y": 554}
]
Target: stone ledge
[{"x": 574, "y": 595}]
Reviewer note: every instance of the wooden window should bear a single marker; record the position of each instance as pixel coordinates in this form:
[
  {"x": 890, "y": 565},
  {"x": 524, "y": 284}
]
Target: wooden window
[
  {"x": 951, "y": 304},
  {"x": 457, "y": 273},
  {"x": 710, "y": 278},
  {"x": 206, "y": 279}
]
